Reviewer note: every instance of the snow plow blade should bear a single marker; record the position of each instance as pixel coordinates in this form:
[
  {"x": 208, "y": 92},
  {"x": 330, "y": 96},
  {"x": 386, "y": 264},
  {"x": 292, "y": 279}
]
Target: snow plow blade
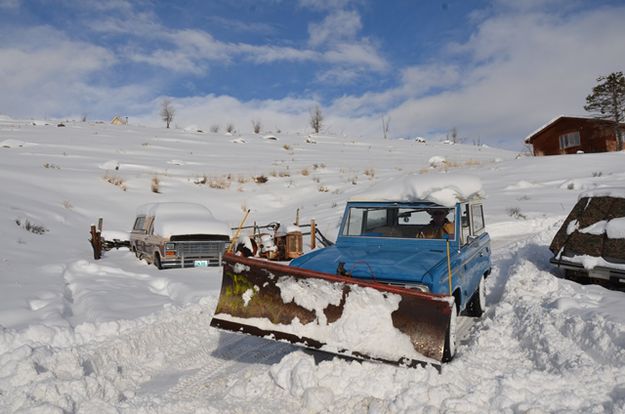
[{"x": 336, "y": 314}]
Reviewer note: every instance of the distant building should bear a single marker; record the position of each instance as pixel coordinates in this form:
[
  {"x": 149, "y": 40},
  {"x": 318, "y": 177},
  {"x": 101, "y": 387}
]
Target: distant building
[
  {"x": 118, "y": 120},
  {"x": 569, "y": 135}
]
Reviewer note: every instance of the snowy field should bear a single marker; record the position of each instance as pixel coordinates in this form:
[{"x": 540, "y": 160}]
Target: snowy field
[{"x": 119, "y": 336}]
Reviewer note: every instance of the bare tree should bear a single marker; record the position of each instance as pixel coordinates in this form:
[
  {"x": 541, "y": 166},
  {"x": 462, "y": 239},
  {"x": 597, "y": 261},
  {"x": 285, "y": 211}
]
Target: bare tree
[
  {"x": 214, "y": 128},
  {"x": 452, "y": 135},
  {"x": 385, "y": 126},
  {"x": 230, "y": 128},
  {"x": 167, "y": 111},
  {"x": 256, "y": 125},
  {"x": 607, "y": 101},
  {"x": 316, "y": 119}
]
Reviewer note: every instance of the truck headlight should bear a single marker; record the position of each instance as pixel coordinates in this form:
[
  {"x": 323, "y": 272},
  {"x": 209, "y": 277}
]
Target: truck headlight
[{"x": 170, "y": 249}]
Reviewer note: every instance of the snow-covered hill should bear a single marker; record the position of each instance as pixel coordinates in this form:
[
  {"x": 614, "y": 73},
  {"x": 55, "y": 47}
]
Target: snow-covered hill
[{"x": 117, "y": 335}]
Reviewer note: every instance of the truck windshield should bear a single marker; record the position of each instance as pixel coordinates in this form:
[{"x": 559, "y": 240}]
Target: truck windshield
[{"x": 400, "y": 222}]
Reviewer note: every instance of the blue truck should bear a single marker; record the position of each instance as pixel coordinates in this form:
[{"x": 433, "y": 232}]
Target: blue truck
[{"x": 389, "y": 289}]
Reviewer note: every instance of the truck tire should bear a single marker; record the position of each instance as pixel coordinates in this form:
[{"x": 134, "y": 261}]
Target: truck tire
[
  {"x": 157, "y": 261},
  {"x": 450, "y": 338},
  {"x": 477, "y": 304}
]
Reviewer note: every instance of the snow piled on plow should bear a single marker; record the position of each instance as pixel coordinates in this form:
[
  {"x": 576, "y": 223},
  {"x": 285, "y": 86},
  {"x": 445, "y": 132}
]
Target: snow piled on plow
[{"x": 366, "y": 314}]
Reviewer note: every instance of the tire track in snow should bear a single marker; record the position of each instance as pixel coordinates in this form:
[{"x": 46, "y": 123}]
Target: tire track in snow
[{"x": 226, "y": 365}]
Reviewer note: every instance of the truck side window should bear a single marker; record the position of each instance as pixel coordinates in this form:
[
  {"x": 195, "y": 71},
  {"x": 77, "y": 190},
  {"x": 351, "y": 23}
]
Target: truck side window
[
  {"x": 477, "y": 217},
  {"x": 139, "y": 223},
  {"x": 354, "y": 222},
  {"x": 466, "y": 226}
]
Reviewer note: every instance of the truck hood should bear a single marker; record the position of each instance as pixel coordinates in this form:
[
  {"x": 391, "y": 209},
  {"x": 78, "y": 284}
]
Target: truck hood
[{"x": 374, "y": 263}]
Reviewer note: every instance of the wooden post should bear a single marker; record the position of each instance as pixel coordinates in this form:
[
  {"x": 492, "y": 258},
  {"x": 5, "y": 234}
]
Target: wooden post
[
  {"x": 96, "y": 243},
  {"x": 236, "y": 234},
  {"x": 313, "y": 234}
]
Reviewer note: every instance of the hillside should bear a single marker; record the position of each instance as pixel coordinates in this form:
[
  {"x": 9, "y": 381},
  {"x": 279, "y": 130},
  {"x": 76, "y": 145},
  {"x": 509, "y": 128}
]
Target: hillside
[{"x": 117, "y": 335}]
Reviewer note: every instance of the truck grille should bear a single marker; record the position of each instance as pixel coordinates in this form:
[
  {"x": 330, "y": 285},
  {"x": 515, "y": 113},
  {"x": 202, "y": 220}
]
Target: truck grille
[{"x": 203, "y": 250}]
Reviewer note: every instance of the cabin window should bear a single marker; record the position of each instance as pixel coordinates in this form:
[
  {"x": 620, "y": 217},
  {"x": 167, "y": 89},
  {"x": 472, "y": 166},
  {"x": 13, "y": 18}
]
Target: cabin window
[
  {"x": 464, "y": 220},
  {"x": 569, "y": 140},
  {"x": 139, "y": 223},
  {"x": 404, "y": 222},
  {"x": 477, "y": 218}
]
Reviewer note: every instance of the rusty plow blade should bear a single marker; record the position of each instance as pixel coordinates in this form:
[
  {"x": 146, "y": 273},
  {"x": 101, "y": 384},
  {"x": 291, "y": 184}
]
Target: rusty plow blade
[{"x": 335, "y": 314}]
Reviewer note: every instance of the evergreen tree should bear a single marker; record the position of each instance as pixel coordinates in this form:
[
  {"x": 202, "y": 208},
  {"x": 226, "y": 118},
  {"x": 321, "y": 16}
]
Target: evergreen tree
[{"x": 607, "y": 101}]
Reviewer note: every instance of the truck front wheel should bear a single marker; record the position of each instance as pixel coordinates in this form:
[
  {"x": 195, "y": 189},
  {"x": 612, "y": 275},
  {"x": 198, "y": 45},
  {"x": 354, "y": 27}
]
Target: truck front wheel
[
  {"x": 450, "y": 338},
  {"x": 157, "y": 261}
]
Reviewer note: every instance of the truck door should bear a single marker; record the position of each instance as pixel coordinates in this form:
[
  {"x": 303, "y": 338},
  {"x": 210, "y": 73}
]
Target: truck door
[{"x": 473, "y": 249}]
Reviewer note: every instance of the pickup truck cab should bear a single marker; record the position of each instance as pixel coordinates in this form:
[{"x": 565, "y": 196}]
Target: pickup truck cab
[
  {"x": 416, "y": 244},
  {"x": 178, "y": 235}
]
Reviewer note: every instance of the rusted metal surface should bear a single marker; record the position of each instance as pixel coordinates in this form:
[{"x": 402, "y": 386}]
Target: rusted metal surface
[
  {"x": 588, "y": 211},
  {"x": 423, "y": 318}
]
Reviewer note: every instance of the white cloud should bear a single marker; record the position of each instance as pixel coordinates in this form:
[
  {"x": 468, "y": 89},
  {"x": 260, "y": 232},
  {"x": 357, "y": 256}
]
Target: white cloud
[
  {"x": 356, "y": 54},
  {"x": 327, "y": 5},
  {"x": 10, "y": 4},
  {"x": 268, "y": 54},
  {"x": 524, "y": 69},
  {"x": 337, "y": 27},
  {"x": 42, "y": 72}
]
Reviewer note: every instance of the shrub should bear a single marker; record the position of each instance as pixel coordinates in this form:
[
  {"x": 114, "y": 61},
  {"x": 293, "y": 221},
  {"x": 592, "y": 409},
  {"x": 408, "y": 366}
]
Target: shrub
[
  {"x": 256, "y": 126},
  {"x": 261, "y": 179},
  {"x": 305, "y": 172},
  {"x": 515, "y": 212},
  {"x": 323, "y": 189},
  {"x": 33, "y": 228},
  {"x": 214, "y": 128}
]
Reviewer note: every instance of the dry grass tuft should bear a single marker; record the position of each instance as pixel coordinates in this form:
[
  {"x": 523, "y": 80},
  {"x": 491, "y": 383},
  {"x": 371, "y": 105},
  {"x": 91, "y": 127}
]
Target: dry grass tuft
[
  {"x": 218, "y": 183},
  {"x": 155, "y": 185},
  {"x": 116, "y": 180},
  {"x": 369, "y": 172}
]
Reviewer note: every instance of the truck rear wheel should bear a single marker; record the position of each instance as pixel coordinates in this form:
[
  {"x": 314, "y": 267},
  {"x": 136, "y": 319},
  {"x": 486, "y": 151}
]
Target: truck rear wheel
[{"x": 477, "y": 304}]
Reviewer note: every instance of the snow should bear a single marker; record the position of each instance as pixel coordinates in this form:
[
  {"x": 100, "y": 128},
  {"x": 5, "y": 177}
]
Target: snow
[
  {"x": 116, "y": 335},
  {"x": 615, "y": 228},
  {"x": 446, "y": 190},
  {"x": 366, "y": 314},
  {"x": 172, "y": 218},
  {"x": 616, "y": 192}
]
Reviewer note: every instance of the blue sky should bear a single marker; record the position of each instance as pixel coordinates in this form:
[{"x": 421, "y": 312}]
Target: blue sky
[{"x": 494, "y": 70}]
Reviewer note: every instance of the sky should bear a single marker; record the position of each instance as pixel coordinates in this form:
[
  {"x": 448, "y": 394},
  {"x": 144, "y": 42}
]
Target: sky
[{"x": 494, "y": 70}]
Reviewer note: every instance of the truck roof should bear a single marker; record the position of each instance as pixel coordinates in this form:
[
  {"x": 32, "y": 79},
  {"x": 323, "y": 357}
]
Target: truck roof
[
  {"x": 442, "y": 189},
  {"x": 183, "y": 218}
]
